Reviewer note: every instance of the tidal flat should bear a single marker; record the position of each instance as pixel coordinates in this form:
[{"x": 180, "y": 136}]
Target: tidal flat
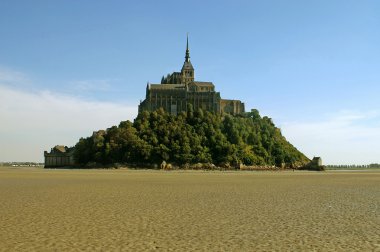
[{"x": 149, "y": 210}]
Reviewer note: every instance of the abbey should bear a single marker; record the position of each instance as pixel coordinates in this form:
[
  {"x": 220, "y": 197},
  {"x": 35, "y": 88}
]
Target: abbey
[{"x": 179, "y": 90}]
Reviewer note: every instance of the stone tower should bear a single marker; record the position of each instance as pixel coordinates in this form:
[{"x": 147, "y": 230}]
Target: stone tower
[{"x": 187, "y": 71}]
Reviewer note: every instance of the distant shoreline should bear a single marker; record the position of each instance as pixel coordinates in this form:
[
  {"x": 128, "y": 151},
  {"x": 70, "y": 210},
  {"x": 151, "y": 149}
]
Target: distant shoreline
[{"x": 186, "y": 170}]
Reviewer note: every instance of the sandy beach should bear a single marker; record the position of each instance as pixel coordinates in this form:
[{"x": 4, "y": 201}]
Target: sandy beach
[{"x": 129, "y": 210}]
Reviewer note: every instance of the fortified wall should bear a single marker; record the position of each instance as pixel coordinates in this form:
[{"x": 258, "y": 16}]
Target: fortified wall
[{"x": 59, "y": 156}]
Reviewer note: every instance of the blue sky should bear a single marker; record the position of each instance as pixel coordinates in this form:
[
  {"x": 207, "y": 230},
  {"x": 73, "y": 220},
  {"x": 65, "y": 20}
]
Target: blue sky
[{"x": 68, "y": 68}]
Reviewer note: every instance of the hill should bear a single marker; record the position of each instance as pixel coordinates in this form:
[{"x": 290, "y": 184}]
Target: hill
[{"x": 189, "y": 138}]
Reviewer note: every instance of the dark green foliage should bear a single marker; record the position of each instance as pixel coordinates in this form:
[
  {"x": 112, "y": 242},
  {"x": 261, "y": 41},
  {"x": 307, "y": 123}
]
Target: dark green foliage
[{"x": 192, "y": 137}]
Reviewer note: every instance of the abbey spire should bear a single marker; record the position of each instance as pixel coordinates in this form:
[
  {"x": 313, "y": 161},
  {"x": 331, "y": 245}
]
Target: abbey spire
[
  {"x": 187, "y": 70},
  {"x": 187, "y": 57}
]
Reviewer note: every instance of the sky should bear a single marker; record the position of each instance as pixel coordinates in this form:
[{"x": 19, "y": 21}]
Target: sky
[{"x": 68, "y": 68}]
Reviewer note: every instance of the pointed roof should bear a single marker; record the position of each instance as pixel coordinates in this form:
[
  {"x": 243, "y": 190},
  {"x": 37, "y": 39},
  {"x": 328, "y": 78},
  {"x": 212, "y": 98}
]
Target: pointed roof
[
  {"x": 187, "y": 64},
  {"x": 187, "y": 56}
]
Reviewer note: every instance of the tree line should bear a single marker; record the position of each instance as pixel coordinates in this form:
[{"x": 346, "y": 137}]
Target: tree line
[
  {"x": 354, "y": 166},
  {"x": 188, "y": 138}
]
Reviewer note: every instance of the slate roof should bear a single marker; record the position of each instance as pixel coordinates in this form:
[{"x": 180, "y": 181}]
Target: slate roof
[
  {"x": 167, "y": 86},
  {"x": 60, "y": 148},
  {"x": 204, "y": 83}
]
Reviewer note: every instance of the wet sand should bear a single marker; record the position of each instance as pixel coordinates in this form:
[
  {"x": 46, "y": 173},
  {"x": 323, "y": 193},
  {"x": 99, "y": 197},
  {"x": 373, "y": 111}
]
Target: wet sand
[{"x": 107, "y": 210}]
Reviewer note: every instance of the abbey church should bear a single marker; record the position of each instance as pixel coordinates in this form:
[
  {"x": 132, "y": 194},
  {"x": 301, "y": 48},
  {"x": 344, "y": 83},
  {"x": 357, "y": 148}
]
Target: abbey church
[{"x": 179, "y": 89}]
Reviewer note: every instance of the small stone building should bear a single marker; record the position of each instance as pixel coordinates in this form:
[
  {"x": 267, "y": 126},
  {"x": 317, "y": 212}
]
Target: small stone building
[
  {"x": 315, "y": 165},
  {"x": 59, "y": 156},
  {"x": 179, "y": 89},
  {"x": 317, "y": 161}
]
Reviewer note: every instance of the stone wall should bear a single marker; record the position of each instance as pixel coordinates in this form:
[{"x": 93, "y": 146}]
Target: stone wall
[
  {"x": 233, "y": 107},
  {"x": 59, "y": 156}
]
